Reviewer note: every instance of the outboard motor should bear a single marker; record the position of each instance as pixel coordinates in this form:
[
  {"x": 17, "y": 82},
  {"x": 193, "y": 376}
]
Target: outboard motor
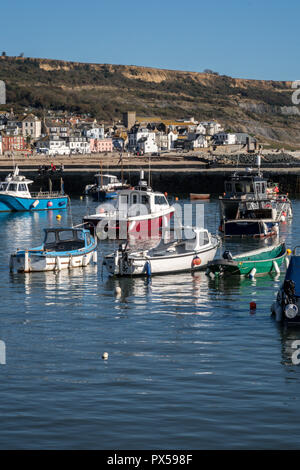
[
  {"x": 227, "y": 255},
  {"x": 289, "y": 290}
]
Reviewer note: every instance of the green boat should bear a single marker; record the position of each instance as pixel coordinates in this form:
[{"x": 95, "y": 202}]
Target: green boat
[{"x": 251, "y": 263}]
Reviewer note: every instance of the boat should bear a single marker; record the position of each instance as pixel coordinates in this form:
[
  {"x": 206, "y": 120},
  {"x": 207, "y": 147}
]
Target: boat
[
  {"x": 15, "y": 196},
  {"x": 139, "y": 211},
  {"x": 62, "y": 248},
  {"x": 251, "y": 263},
  {"x": 248, "y": 196},
  {"x": 286, "y": 308},
  {"x": 195, "y": 197},
  {"x": 248, "y": 207},
  {"x": 105, "y": 187},
  {"x": 167, "y": 257}
]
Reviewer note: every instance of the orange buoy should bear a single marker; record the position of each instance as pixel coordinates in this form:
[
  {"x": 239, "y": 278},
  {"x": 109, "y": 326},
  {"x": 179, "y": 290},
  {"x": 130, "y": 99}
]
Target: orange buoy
[
  {"x": 166, "y": 194},
  {"x": 196, "y": 261}
]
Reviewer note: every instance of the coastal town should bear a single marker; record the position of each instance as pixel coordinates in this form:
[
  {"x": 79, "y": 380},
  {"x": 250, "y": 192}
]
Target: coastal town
[{"x": 61, "y": 133}]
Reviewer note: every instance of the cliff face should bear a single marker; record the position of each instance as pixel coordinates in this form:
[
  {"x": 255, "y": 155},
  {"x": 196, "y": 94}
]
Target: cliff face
[{"x": 263, "y": 108}]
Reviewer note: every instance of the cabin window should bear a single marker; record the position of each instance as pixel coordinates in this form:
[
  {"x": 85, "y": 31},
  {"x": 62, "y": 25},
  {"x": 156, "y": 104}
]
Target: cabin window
[
  {"x": 3, "y": 186},
  {"x": 22, "y": 187},
  {"x": 249, "y": 188},
  {"x": 203, "y": 238},
  {"x": 123, "y": 199},
  {"x": 50, "y": 237},
  {"x": 160, "y": 200},
  {"x": 134, "y": 199},
  {"x": 66, "y": 235},
  {"x": 238, "y": 188},
  {"x": 144, "y": 199},
  {"x": 12, "y": 187}
]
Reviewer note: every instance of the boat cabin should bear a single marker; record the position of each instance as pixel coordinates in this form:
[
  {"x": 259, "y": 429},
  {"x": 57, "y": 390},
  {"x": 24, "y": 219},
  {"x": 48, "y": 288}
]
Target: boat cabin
[
  {"x": 66, "y": 239},
  {"x": 106, "y": 180},
  {"x": 252, "y": 186},
  {"x": 17, "y": 186},
  {"x": 145, "y": 197}
]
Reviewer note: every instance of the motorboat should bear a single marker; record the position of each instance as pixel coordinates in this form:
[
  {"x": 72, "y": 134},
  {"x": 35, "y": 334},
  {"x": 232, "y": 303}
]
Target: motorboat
[
  {"x": 105, "y": 187},
  {"x": 286, "y": 308},
  {"x": 251, "y": 263},
  {"x": 248, "y": 196},
  {"x": 62, "y": 248},
  {"x": 138, "y": 211},
  {"x": 169, "y": 256},
  {"x": 15, "y": 196}
]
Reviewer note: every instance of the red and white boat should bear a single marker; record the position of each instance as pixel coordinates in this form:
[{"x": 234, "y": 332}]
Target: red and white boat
[{"x": 138, "y": 212}]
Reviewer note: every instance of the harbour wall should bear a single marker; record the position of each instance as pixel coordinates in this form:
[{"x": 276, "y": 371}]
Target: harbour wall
[{"x": 176, "y": 181}]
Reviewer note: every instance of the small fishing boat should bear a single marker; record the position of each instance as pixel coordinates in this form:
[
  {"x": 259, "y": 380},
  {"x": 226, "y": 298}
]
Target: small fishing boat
[
  {"x": 286, "y": 308},
  {"x": 62, "y": 248},
  {"x": 105, "y": 187},
  {"x": 250, "y": 263},
  {"x": 167, "y": 257},
  {"x": 195, "y": 197},
  {"x": 15, "y": 196}
]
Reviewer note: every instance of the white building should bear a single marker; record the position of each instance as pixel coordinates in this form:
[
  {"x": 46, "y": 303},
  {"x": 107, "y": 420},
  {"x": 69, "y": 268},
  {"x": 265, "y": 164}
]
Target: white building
[
  {"x": 142, "y": 140},
  {"x": 197, "y": 140},
  {"x": 31, "y": 126},
  {"x": 172, "y": 137},
  {"x": 94, "y": 132},
  {"x": 53, "y": 145},
  {"x": 78, "y": 145},
  {"x": 223, "y": 138}
]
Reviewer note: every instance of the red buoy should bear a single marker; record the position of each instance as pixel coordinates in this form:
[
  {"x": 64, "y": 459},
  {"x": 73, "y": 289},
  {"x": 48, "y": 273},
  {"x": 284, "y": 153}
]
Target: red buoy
[{"x": 252, "y": 306}]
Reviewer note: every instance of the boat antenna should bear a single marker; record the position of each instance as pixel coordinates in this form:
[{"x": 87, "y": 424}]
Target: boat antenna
[
  {"x": 258, "y": 163},
  {"x": 149, "y": 175}
]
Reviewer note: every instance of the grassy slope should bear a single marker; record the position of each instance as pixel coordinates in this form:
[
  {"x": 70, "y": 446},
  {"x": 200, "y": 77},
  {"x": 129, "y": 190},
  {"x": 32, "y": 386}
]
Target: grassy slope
[{"x": 108, "y": 90}]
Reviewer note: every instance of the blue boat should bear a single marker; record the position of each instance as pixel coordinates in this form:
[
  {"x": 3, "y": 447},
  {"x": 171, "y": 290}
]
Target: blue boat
[
  {"x": 286, "y": 308},
  {"x": 15, "y": 196},
  {"x": 63, "y": 248}
]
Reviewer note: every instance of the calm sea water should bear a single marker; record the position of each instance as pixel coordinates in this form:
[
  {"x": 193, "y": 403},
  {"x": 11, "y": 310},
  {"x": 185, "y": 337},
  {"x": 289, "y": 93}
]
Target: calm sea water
[{"x": 189, "y": 366}]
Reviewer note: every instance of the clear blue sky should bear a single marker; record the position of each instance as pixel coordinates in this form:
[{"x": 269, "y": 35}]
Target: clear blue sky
[{"x": 245, "y": 38}]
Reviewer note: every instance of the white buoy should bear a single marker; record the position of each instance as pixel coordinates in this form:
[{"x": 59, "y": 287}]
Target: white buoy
[
  {"x": 105, "y": 356},
  {"x": 118, "y": 291},
  {"x": 252, "y": 273},
  {"x": 26, "y": 262},
  {"x": 95, "y": 257},
  {"x": 58, "y": 263},
  {"x": 276, "y": 267}
]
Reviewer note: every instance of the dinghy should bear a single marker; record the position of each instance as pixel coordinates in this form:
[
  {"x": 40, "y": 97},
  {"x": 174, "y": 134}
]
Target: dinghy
[
  {"x": 167, "y": 257},
  {"x": 251, "y": 263},
  {"x": 62, "y": 248}
]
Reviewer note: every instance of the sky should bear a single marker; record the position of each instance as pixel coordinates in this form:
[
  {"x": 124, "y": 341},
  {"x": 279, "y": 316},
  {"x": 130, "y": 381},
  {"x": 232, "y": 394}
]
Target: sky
[{"x": 245, "y": 39}]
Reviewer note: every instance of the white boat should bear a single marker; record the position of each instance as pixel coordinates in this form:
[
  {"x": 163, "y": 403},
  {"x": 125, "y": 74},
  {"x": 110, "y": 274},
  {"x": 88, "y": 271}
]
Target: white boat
[
  {"x": 63, "y": 248},
  {"x": 167, "y": 257},
  {"x": 138, "y": 211}
]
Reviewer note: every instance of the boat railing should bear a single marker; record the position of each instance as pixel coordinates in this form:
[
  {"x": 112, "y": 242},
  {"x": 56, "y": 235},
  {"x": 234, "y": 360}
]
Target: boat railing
[{"x": 46, "y": 194}]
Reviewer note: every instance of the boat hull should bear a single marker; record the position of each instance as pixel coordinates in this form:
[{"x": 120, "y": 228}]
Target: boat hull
[
  {"x": 145, "y": 266},
  {"x": 10, "y": 203},
  {"x": 255, "y": 229},
  {"x": 39, "y": 262},
  {"x": 243, "y": 267},
  {"x": 133, "y": 227}
]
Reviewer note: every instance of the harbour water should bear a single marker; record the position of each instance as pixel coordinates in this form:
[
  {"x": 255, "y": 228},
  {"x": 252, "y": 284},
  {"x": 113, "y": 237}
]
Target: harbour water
[{"x": 189, "y": 366}]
